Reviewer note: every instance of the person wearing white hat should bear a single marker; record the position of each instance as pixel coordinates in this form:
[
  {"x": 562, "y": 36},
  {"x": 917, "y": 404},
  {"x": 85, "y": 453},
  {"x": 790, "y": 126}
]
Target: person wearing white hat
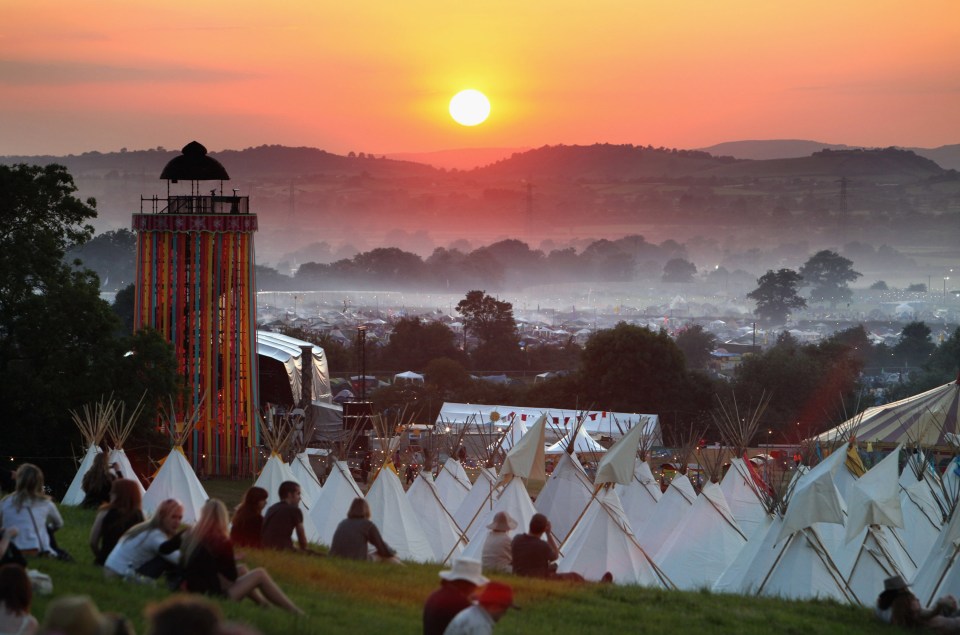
[
  {"x": 497, "y": 549},
  {"x": 456, "y": 586}
]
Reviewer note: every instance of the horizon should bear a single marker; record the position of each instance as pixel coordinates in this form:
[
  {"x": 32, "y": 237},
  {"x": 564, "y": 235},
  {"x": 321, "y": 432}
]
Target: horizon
[{"x": 377, "y": 79}]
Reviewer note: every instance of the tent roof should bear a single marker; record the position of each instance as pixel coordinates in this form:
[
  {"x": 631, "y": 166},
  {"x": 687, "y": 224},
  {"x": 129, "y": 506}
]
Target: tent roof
[{"x": 927, "y": 417}]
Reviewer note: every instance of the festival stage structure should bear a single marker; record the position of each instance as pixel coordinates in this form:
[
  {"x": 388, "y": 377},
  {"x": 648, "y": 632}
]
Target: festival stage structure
[{"x": 195, "y": 285}]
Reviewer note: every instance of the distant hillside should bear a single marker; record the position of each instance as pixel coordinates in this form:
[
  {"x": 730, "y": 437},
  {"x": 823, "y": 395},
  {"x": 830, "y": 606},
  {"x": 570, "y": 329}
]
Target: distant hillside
[
  {"x": 771, "y": 148},
  {"x": 889, "y": 165},
  {"x": 459, "y": 159},
  {"x": 261, "y": 161},
  {"x": 947, "y": 157},
  {"x": 603, "y": 162},
  {"x": 619, "y": 163}
]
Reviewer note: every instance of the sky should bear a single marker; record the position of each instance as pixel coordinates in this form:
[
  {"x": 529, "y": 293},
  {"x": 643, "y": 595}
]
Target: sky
[{"x": 376, "y": 76}]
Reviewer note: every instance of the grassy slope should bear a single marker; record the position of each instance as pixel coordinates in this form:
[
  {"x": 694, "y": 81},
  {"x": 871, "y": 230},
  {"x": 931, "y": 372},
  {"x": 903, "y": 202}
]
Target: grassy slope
[{"x": 353, "y": 597}]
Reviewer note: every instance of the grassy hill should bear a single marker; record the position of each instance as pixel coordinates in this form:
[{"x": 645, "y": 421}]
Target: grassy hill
[{"x": 357, "y": 597}]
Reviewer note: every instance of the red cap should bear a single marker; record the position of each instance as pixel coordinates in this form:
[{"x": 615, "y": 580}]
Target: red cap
[{"x": 497, "y": 594}]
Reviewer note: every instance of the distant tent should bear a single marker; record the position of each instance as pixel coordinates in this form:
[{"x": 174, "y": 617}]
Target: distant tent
[
  {"x": 640, "y": 496},
  {"x": 331, "y": 507},
  {"x": 603, "y": 542},
  {"x": 583, "y": 444},
  {"x": 478, "y": 499},
  {"x": 564, "y": 497},
  {"x": 439, "y": 528},
  {"x": 452, "y": 484},
  {"x": 396, "y": 519},
  {"x": 304, "y": 474},
  {"x": 672, "y": 511},
  {"x": 176, "y": 478},
  {"x": 118, "y": 429},
  {"x": 701, "y": 549},
  {"x": 410, "y": 376},
  {"x": 927, "y": 418},
  {"x": 511, "y": 498},
  {"x": 92, "y": 424}
]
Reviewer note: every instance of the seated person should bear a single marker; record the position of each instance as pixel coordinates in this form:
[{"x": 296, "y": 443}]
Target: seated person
[
  {"x": 210, "y": 567},
  {"x": 247, "y": 527},
  {"x": 498, "y": 545},
  {"x": 354, "y": 533},
  {"x": 532, "y": 556},
  {"x": 283, "y": 519},
  {"x": 150, "y": 548},
  {"x": 115, "y": 518},
  {"x": 16, "y": 595}
]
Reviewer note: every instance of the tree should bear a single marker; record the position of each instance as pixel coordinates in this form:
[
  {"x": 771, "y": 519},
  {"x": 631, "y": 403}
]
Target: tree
[
  {"x": 917, "y": 288},
  {"x": 679, "y": 270},
  {"x": 914, "y": 347},
  {"x": 776, "y": 295},
  {"x": 879, "y": 285},
  {"x": 632, "y": 369},
  {"x": 696, "y": 345},
  {"x": 111, "y": 255},
  {"x": 58, "y": 340},
  {"x": 828, "y": 273},
  {"x": 414, "y": 343},
  {"x": 487, "y": 318}
]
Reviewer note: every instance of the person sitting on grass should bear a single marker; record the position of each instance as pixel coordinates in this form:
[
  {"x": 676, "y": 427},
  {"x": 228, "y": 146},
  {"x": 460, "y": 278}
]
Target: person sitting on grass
[
  {"x": 16, "y": 595},
  {"x": 115, "y": 518},
  {"x": 31, "y": 512},
  {"x": 78, "y": 615},
  {"x": 98, "y": 480},
  {"x": 283, "y": 519},
  {"x": 245, "y": 531},
  {"x": 480, "y": 618},
  {"x": 210, "y": 567},
  {"x": 149, "y": 549},
  {"x": 183, "y": 615},
  {"x": 534, "y": 557},
  {"x": 453, "y": 596},
  {"x": 355, "y": 532},
  {"x": 897, "y": 605}
]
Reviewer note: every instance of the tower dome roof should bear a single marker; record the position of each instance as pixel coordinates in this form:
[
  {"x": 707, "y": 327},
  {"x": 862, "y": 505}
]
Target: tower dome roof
[{"x": 194, "y": 165}]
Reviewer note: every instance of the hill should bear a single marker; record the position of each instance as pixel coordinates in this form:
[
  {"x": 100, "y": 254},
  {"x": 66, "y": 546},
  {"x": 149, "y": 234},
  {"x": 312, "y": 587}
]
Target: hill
[
  {"x": 457, "y": 159},
  {"x": 763, "y": 149},
  {"x": 947, "y": 157}
]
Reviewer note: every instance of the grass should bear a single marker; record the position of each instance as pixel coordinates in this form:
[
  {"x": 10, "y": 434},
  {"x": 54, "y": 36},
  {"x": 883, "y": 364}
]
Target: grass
[{"x": 358, "y": 597}]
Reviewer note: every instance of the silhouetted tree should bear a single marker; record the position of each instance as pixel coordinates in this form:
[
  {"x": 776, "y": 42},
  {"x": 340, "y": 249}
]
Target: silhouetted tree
[
  {"x": 914, "y": 347},
  {"x": 679, "y": 270},
  {"x": 828, "y": 273},
  {"x": 776, "y": 295},
  {"x": 696, "y": 345}
]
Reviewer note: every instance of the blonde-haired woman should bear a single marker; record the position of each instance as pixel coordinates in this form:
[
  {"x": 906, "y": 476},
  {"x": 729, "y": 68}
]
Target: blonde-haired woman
[
  {"x": 209, "y": 565},
  {"x": 31, "y": 512},
  {"x": 150, "y": 548}
]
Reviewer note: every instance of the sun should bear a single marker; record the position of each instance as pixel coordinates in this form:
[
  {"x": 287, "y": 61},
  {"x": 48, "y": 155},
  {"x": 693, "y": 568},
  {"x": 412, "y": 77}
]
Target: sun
[{"x": 469, "y": 107}]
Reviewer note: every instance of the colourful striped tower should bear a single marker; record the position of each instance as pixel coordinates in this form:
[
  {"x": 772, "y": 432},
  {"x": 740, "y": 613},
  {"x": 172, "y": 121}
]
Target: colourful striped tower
[{"x": 195, "y": 285}]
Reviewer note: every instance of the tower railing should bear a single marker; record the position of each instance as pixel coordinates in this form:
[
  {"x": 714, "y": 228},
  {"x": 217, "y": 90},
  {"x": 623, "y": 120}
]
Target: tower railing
[{"x": 210, "y": 204}]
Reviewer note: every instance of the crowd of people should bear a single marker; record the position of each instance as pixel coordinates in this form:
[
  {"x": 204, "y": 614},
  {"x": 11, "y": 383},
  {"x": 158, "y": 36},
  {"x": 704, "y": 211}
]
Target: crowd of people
[{"x": 201, "y": 560}]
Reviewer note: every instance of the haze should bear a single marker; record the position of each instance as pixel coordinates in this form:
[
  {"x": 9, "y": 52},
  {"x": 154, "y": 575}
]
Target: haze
[{"x": 376, "y": 77}]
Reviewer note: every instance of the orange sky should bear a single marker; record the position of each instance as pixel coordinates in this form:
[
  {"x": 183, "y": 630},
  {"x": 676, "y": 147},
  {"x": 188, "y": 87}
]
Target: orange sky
[{"x": 376, "y": 76}]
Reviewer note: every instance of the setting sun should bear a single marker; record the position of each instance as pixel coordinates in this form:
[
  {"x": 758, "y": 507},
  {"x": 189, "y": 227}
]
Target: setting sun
[{"x": 469, "y": 107}]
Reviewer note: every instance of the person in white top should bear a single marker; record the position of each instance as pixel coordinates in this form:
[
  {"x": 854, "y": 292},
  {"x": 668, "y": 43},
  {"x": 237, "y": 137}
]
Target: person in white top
[
  {"x": 497, "y": 548},
  {"x": 30, "y": 512},
  {"x": 150, "y": 548},
  {"x": 480, "y": 618}
]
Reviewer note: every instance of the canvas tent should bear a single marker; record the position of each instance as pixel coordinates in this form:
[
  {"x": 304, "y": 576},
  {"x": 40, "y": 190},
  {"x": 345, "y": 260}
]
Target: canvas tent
[
  {"x": 595, "y": 422},
  {"x": 926, "y": 418},
  {"x": 409, "y": 376},
  {"x": 176, "y": 479},
  {"x": 394, "y": 516},
  {"x": 281, "y": 369},
  {"x": 582, "y": 444}
]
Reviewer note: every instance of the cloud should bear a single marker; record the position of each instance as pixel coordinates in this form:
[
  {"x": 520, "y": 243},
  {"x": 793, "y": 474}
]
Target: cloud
[{"x": 61, "y": 73}]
